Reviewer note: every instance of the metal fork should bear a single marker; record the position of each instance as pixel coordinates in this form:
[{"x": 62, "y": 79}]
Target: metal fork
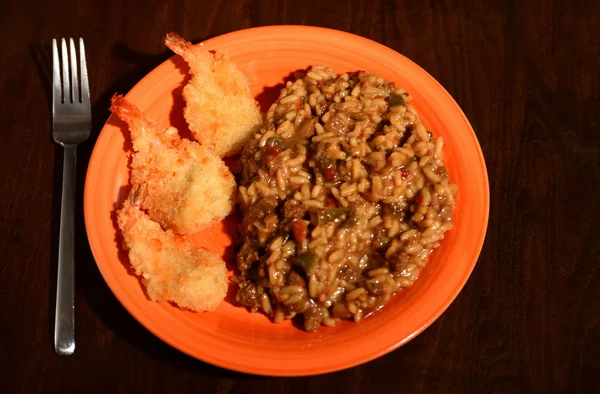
[{"x": 71, "y": 124}]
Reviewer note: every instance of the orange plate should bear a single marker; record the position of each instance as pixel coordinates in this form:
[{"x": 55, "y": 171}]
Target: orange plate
[{"x": 231, "y": 337}]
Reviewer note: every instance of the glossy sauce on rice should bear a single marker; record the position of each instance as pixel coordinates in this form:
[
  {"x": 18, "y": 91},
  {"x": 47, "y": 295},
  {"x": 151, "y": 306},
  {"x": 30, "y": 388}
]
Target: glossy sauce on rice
[{"x": 344, "y": 195}]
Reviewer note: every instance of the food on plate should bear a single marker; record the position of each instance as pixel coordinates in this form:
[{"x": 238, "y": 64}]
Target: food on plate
[
  {"x": 220, "y": 109},
  {"x": 187, "y": 186},
  {"x": 171, "y": 267},
  {"x": 344, "y": 195}
]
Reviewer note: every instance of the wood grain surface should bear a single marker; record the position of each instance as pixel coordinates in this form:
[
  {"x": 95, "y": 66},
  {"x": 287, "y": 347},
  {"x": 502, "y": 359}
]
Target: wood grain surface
[{"x": 527, "y": 75}]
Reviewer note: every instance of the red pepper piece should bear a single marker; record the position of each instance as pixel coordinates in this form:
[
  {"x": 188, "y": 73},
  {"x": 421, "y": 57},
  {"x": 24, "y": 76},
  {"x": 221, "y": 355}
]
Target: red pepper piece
[
  {"x": 329, "y": 173},
  {"x": 270, "y": 153},
  {"x": 404, "y": 173},
  {"x": 331, "y": 202},
  {"x": 299, "y": 229}
]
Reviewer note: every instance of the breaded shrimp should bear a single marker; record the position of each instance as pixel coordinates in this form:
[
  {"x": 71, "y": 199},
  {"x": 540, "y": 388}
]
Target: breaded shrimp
[
  {"x": 171, "y": 267},
  {"x": 220, "y": 110},
  {"x": 188, "y": 186}
]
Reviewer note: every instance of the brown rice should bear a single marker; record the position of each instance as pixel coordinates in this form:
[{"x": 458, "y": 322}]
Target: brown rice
[{"x": 344, "y": 195}]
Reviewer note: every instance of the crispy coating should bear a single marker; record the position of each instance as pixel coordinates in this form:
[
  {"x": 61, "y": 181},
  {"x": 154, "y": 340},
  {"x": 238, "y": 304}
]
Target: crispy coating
[
  {"x": 188, "y": 186},
  {"x": 171, "y": 267},
  {"x": 220, "y": 110}
]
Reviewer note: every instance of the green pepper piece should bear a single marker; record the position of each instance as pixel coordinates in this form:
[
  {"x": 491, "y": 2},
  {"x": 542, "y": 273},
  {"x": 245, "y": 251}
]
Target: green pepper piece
[
  {"x": 396, "y": 99},
  {"x": 276, "y": 141},
  {"x": 331, "y": 214},
  {"x": 360, "y": 117},
  {"x": 307, "y": 261},
  {"x": 351, "y": 221}
]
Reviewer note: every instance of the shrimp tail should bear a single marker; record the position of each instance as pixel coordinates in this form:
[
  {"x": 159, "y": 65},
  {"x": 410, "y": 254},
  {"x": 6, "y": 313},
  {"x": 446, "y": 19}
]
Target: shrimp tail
[
  {"x": 140, "y": 126},
  {"x": 124, "y": 109},
  {"x": 138, "y": 194},
  {"x": 177, "y": 44}
]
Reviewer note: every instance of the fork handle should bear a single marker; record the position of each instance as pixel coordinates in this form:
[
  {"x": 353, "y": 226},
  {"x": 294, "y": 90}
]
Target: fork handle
[{"x": 64, "y": 319}]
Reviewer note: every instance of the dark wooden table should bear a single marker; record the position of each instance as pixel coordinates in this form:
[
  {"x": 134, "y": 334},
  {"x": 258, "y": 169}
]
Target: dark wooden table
[{"x": 527, "y": 75}]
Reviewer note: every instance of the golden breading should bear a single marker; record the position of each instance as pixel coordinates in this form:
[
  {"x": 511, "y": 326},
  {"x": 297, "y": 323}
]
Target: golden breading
[
  {"x": 171, "y": 267},
  {"x": 188, "y": 186},
  {"x": 220, "y": 110}
]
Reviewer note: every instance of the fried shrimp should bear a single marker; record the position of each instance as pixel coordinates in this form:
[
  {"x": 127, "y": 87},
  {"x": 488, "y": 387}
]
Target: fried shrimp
[
  {"x": 220, "y": 110},
  {"x": 187, "y": 186},
  {"x": 171, "y": 267}
]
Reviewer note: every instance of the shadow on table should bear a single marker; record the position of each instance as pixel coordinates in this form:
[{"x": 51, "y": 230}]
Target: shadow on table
[
  {"x": 89, "y": 282},
  {"x": 42, "y": 58}
]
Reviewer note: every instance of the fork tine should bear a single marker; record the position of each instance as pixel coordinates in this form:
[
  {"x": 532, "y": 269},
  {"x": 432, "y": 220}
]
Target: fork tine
[
  {"x": 74, "y": 83},
  {"x": 85, "y": 87},
  {"x": 65, "y": 72},
  {"x": 56, "y": 86}
]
